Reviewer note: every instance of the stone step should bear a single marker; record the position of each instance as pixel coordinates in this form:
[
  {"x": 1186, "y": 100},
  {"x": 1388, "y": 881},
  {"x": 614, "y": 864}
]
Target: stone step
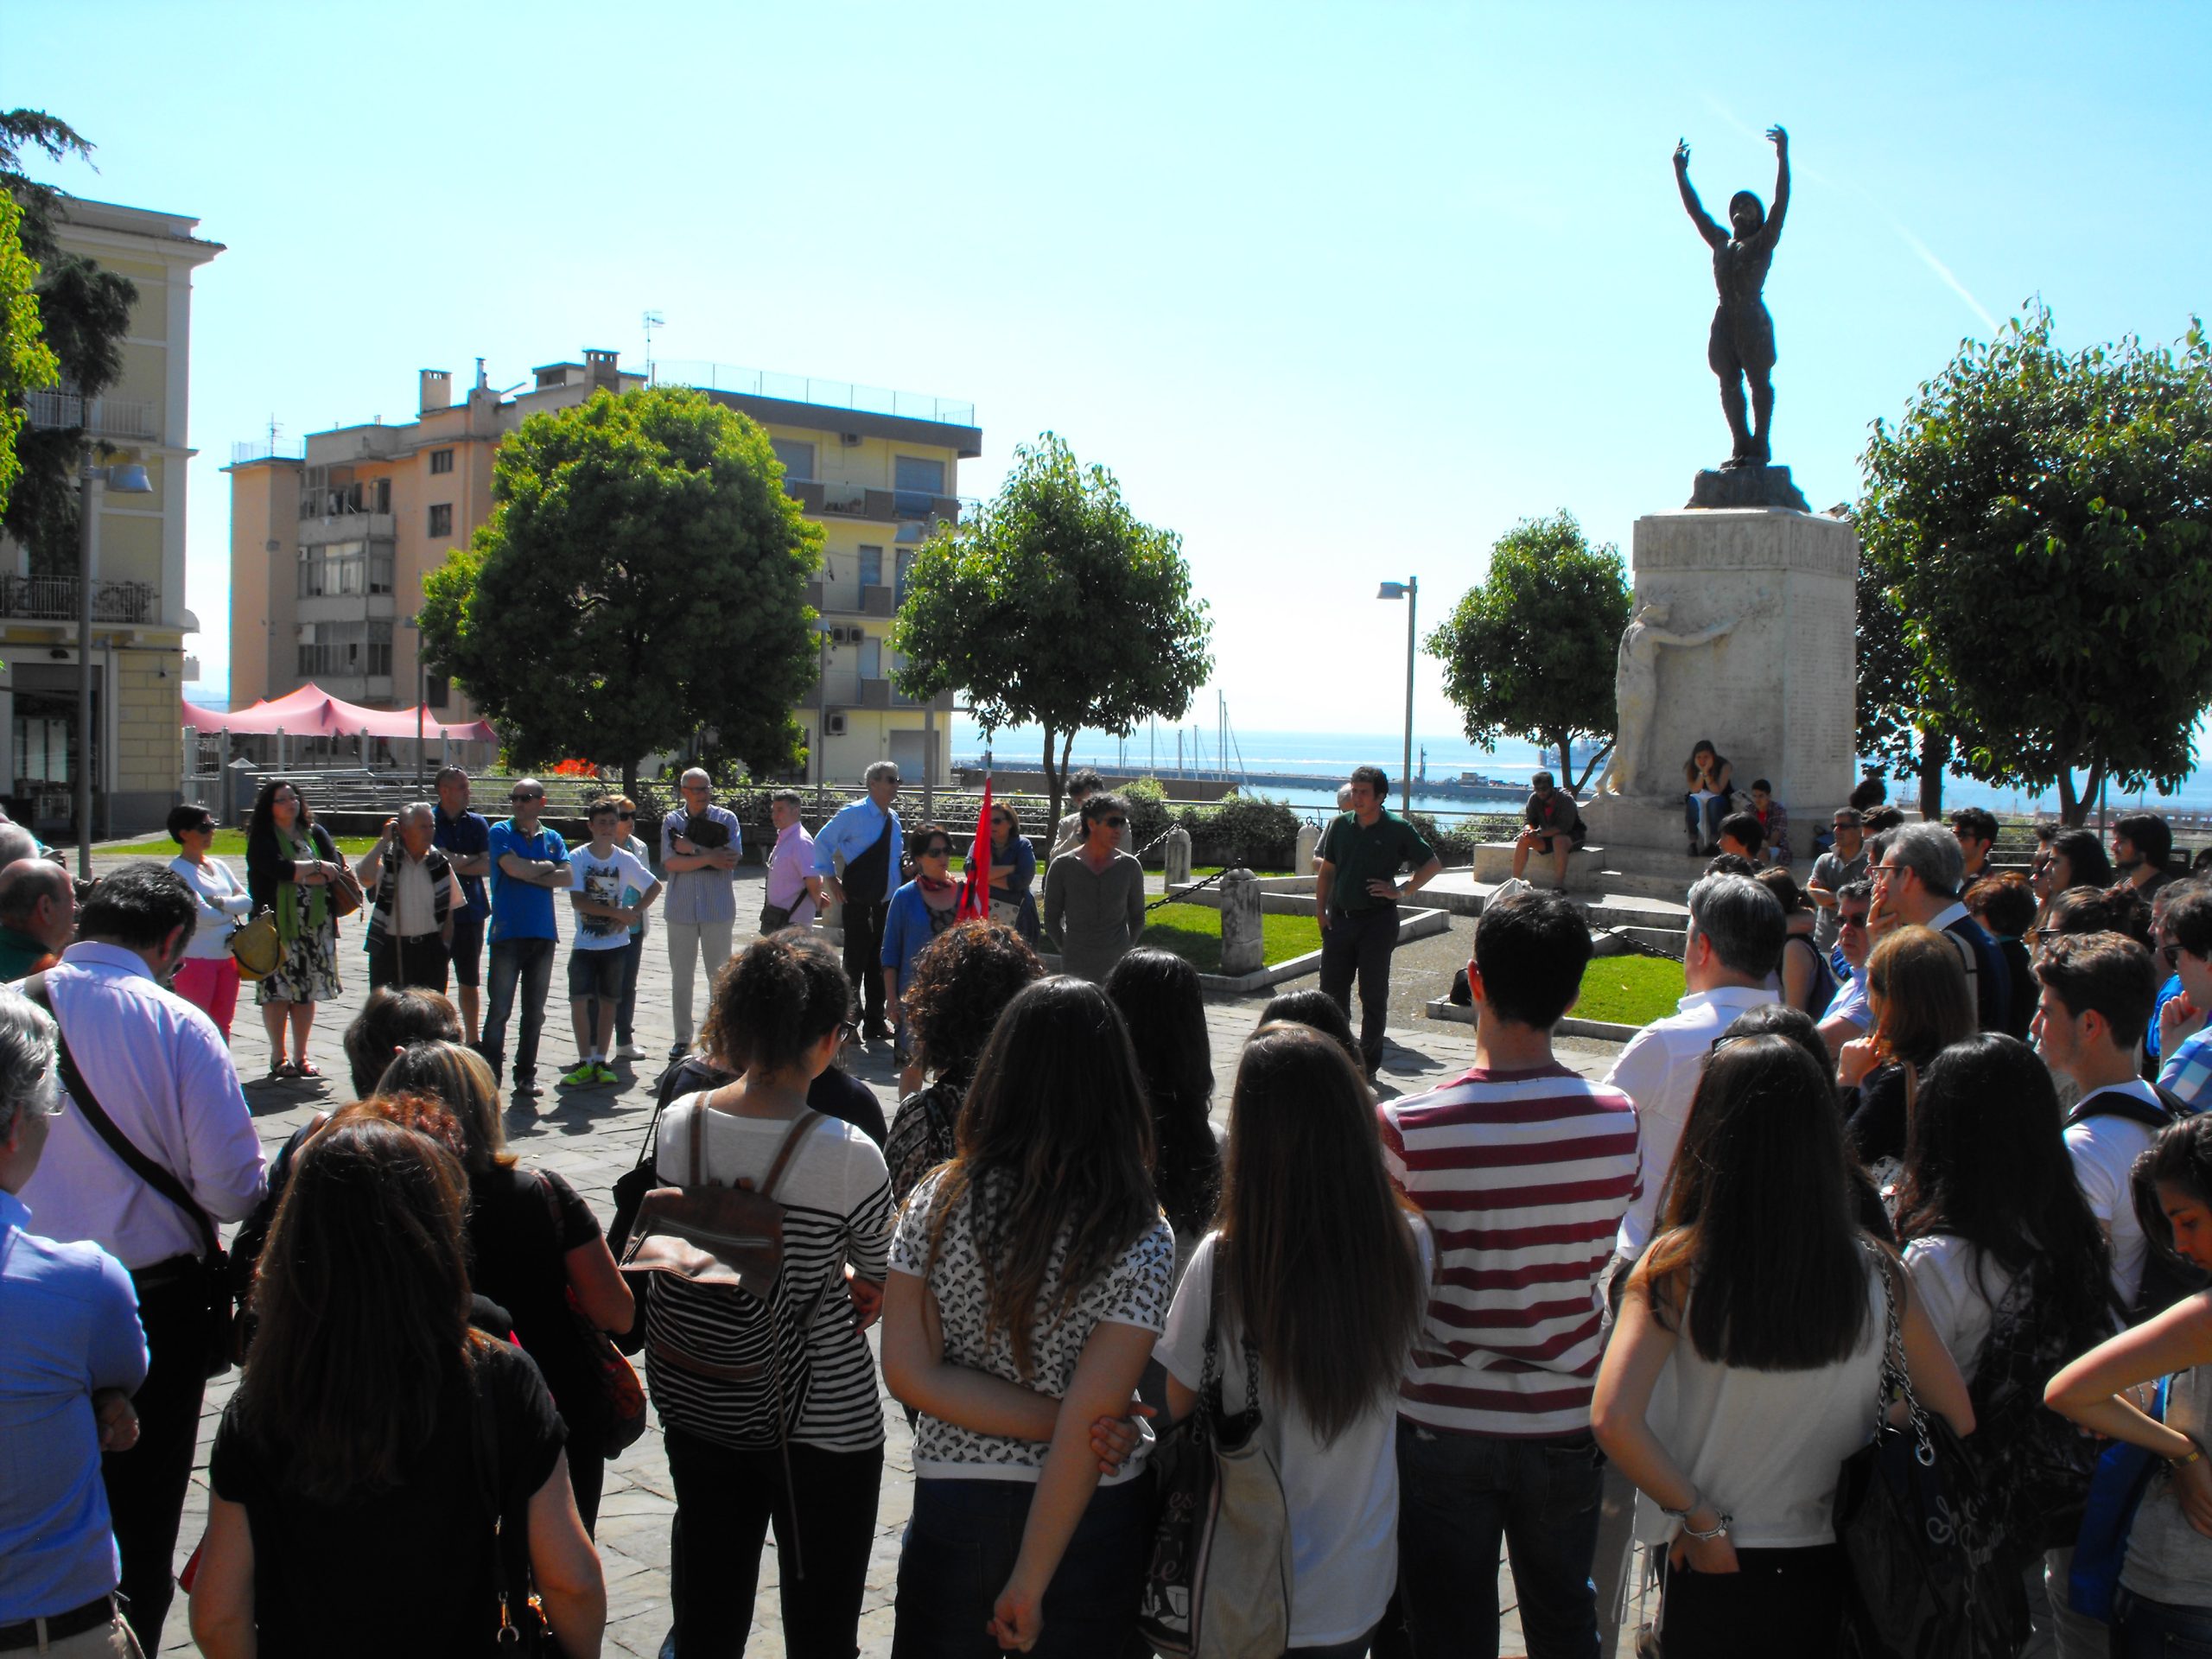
[{"x": 1651, "y": 920}]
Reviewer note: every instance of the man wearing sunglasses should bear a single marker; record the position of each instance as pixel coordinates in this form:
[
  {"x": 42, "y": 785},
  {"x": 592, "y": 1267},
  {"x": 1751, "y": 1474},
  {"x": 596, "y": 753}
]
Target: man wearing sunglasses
[
  {"x": 464, "y": 837},
  {"x": 2185, "y": 946},
  {"x": 1355, "y": 894},
  {"x": 699, "y": 848},
  {"x": 856, "y": 867},
  {"x": 1094, "y": 896},
  {"x": 1915, "y": 871}
]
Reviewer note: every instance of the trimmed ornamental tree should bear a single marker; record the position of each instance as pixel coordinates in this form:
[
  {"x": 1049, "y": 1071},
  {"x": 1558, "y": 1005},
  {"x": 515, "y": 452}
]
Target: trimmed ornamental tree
[
  {"x": 85, "y": 312},
  {"x": 2040, "y": 522},
  {"x": 1528, "y": 653},
  {"x": 1054, "y": 607},
  {"x": 643, "y": 575}
]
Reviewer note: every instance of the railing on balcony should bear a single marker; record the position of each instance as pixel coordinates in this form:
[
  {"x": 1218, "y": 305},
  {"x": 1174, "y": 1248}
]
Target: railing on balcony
[
  {"x": 108, "y": 418},
  {"x": 818, "y": 499},
  {"x": 54, "y": 599},
  {"x": 255, "y": 449},
  {"x": 805, "y": 389}
]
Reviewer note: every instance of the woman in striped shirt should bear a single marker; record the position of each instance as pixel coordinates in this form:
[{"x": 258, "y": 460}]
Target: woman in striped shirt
[{"x": 777, "y": 1009}]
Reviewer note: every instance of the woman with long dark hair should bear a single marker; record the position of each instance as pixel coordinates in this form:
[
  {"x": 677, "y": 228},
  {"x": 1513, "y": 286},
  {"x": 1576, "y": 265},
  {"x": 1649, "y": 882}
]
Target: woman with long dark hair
[
  {"x": 533, "y": 1245},
  {"x": 2166, "y": 1605},
  {"x": 920, "y": 911},
  {"x": 779, "y": 1007},
  {"x": 1916, "y": 993},
  {"x": 1766, "y": 1299},
  {"x": 962, "y": 982},
  {"x": 1029, "y": 1278},
  {"x": 1705, "y": 777},
  {"x": 1325, "y": 1266},
  {"x": 1165, "y": 1010},
  {"x": 376, "y": 1438},
  {"x": 291, "y": 864},
  {"x": 2016, "y": 1277},
  {"x": 1807, "y": 982}
]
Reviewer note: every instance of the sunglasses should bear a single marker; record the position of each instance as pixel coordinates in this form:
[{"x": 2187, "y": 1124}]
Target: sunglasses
[
  {"x": 519, "y": 796},
  {"x": 1860, "y": 920},
  {"x": 1114, "y": 824},
  {"x": 627, "y": 817},
  {"x": 935, "y": 852}
]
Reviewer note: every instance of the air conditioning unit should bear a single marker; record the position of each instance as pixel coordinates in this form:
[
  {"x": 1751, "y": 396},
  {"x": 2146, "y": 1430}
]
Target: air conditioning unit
[
  {"x": 835, "y": 725},
  {"x": 850, "y": 440}
]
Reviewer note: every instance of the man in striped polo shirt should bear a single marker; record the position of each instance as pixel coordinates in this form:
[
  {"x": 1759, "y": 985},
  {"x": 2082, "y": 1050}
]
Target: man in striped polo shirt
[{"x": 1523, "y": 1169}]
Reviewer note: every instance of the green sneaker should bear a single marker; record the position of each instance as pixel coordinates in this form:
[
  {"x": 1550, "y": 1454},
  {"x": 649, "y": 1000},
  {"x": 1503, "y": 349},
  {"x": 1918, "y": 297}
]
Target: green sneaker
[
  {"x": 585, "y": 1075},
  {"x": 605, "y": 1073}
]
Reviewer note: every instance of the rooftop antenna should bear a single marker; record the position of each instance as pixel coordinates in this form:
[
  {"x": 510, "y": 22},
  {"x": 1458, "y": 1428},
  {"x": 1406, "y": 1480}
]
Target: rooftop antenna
[{"x": 654, "y": 319}]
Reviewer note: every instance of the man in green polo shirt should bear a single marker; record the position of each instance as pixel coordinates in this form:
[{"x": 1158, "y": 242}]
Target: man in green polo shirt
[{"x": 1356, "y": 894}]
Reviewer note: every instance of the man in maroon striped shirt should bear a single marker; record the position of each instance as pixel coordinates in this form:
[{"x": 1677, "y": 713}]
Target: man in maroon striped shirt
[{"x": 1523, "y": 1169}]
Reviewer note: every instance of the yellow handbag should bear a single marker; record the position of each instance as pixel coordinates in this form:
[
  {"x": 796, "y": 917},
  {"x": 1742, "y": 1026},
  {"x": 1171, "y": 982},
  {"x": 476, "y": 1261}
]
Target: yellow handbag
[{"x": 255, "y": 946}]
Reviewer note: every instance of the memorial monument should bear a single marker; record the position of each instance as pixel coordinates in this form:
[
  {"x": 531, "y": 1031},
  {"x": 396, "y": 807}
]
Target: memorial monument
[{"x": 1745, "y": 623}]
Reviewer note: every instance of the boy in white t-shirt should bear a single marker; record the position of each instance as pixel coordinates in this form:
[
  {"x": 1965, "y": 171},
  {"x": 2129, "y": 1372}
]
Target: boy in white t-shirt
[
  {"x": 609, "y": 890},
  {"x": 2097, "y": 992}
]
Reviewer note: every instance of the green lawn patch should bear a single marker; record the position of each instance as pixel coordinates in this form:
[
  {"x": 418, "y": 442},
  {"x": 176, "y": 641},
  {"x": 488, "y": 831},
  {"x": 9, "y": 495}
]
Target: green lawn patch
[
  {"x": 1194, "y": 932},
  {"x": 229, "y": 843},
  {"x": 1629, "y": 990}
]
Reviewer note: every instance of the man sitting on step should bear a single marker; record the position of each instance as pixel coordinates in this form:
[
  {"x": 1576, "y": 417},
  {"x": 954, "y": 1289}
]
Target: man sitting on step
[{"x": 1552, "y": 825}]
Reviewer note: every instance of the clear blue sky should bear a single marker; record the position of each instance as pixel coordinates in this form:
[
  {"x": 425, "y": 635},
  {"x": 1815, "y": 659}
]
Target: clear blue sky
[{"x": 1338, "y": 292}]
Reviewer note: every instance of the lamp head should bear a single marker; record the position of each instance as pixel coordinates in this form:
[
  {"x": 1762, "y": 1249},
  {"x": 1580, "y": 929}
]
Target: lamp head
[
  {"x": 128, "y": 478},
  {"x": 1391, "y": 590}
]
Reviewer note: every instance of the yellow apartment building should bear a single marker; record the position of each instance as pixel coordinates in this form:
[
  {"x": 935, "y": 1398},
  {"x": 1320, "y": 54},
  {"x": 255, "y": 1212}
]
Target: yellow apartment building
[
  {"x": 139, "y": 619},
  {"x": 330, "y": 539}
]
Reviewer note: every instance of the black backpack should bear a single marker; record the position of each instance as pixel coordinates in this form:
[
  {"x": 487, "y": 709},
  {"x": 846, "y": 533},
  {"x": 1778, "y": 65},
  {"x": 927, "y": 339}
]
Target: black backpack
[{"x": 2166, "y": 1278}]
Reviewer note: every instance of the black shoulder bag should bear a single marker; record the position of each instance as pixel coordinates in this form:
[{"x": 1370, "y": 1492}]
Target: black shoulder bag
[{"x": 215, "y": 1268}]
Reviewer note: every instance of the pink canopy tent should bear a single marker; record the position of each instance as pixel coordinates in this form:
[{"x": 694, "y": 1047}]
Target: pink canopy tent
[{"x": 312, "y": 712}]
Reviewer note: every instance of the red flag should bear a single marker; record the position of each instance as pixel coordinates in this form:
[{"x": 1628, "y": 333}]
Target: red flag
[{"x": 975, "y": 890}]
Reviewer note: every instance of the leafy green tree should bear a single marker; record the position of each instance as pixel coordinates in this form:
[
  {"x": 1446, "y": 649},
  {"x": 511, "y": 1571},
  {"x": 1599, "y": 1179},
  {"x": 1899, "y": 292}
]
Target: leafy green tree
[
  {"x": 1528, "y": 651},
  {"x": 2041, "y": 522},
  {"x": 26, "y": 363},
  {"x": 643, "y": 575},
  {"x": 85, "y": 313},
  {"x": 1055, "y": 606}
]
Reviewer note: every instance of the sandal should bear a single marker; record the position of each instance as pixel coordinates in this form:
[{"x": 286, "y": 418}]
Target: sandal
[
  {"x": 307, "y": 1069},
  {"x": 280, "y": 1071}
]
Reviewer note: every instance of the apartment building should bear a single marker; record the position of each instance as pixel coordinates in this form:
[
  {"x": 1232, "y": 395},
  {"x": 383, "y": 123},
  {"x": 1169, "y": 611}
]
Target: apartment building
[
  {"x": 330, "y": 539},
  {"x": 139, "y": 619}
]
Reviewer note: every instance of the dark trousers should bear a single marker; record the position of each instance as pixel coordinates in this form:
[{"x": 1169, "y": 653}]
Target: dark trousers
[
  {"x": 864, "y": 959},
  {"x": 526, "y": 964},
  {"x": 146, "y": 1484},
  {"x": 1458, "y": 1494},
  {"x": 1778, "y": 1601},
  {"x": 725, "y": 1500},
  {"x": 420, "y": 964},
  {"x": 626, "y": 1011},
  {"x": 960, "y": 1550},
  {"x": 1360, "y": 942}
]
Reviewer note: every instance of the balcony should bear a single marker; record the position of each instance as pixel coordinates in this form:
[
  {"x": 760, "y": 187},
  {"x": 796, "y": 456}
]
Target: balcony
[
  {"x": 349, "y": 525},
  {"x": 109, "y": 417},
  {"x": 819, "y": 500},
  {"x": 807, "y": 389},
  {"x": 54, "y": 599}
]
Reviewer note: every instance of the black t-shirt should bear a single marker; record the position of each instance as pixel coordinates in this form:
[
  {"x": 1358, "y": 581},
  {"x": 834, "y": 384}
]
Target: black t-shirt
[
  {"x": 410, "y": 1571},
  {"x": 522, "y": 1223}
]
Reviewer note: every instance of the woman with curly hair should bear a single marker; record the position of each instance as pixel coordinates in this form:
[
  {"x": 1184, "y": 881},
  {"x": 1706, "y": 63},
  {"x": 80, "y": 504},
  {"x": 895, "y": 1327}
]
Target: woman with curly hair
[{"x": 963, "y": 981}]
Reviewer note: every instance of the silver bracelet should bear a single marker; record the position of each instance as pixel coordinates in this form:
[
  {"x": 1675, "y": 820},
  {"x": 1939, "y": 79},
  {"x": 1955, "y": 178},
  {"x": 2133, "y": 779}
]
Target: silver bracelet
[{"x": 1727, "y": 1521}]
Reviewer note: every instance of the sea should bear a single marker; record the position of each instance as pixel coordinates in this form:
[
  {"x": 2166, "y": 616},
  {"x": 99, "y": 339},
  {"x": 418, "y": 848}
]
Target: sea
[{"x": 1329, "y": 756}]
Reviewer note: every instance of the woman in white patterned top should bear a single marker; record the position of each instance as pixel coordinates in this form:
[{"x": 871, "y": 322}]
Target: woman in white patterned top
[
  {"x": 1029, "y": 1279},
  {"x": 777, "y": 1009}
]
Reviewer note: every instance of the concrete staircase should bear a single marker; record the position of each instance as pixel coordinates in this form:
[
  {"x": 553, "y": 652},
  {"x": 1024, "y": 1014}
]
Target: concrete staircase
[{"x": 1642, "y": 913}]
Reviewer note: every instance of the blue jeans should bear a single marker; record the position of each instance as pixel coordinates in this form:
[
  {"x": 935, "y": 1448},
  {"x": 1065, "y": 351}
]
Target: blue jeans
[
  {"x": 2159, "y": 1630},
  {"x": 960, "y": 1550},
  {"x": 1457, "y": 1494},
  {"x": 1702, "y": 818},
  {"x": 529, "y": 963}
]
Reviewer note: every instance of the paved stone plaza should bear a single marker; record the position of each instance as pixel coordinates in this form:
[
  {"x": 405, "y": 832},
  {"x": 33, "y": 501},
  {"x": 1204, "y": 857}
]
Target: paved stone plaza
[{"x": 592, "y": 1135}]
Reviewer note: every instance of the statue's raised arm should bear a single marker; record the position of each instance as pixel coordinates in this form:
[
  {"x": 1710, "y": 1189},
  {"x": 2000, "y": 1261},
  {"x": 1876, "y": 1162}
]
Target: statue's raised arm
[
  {"x": 1770, "y": 233},
  {"x": 1714, "y": 235}
]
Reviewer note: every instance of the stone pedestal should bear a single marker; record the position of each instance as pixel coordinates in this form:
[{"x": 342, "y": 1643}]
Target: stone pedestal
[
  {"x": 1176, "y": 856},
  {"x": 1775, "y": 693},
  {"x": 1242, "y": 950},
  {"x": 1309, "y": 837}
]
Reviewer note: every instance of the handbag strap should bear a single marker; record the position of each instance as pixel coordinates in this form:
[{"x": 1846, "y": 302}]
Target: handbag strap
[
  {"x": 806, "y": 1120},
  {"x": 163, "y": 1181},
  {"x": 1896, "y": 1376}
]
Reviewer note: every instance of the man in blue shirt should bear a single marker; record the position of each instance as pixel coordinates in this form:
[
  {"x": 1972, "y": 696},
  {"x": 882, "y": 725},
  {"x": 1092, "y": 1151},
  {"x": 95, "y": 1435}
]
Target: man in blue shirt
[
  {"x": 465, "y": 839},
  {"x": 529, "y": 862},
  {"x": 864, "y": 834},
  {"x": 74, "y": 1354}
]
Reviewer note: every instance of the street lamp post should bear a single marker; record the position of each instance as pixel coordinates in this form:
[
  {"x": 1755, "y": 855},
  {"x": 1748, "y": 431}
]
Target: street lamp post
[
  {"x": 123, "y": 479},
  {"x": 1408, "y": 590},
  {"x": 421, "y": 694}
]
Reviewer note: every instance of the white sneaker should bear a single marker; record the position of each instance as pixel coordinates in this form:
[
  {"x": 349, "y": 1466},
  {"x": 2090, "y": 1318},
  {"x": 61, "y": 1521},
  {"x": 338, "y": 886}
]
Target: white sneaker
[{"x": 631, "y": 1052}]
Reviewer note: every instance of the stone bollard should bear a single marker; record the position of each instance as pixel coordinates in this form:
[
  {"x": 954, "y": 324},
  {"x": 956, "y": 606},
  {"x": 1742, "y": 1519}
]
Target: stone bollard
[
  {"x": 1242, "y": 950},
  {"x": 1178, "y": 857},
  {"x": 1309, "y": 837}
]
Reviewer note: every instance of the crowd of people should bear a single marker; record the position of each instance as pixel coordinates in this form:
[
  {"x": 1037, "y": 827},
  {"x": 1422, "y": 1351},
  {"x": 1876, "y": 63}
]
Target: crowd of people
[{"x": 1628, "y": 1329}]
